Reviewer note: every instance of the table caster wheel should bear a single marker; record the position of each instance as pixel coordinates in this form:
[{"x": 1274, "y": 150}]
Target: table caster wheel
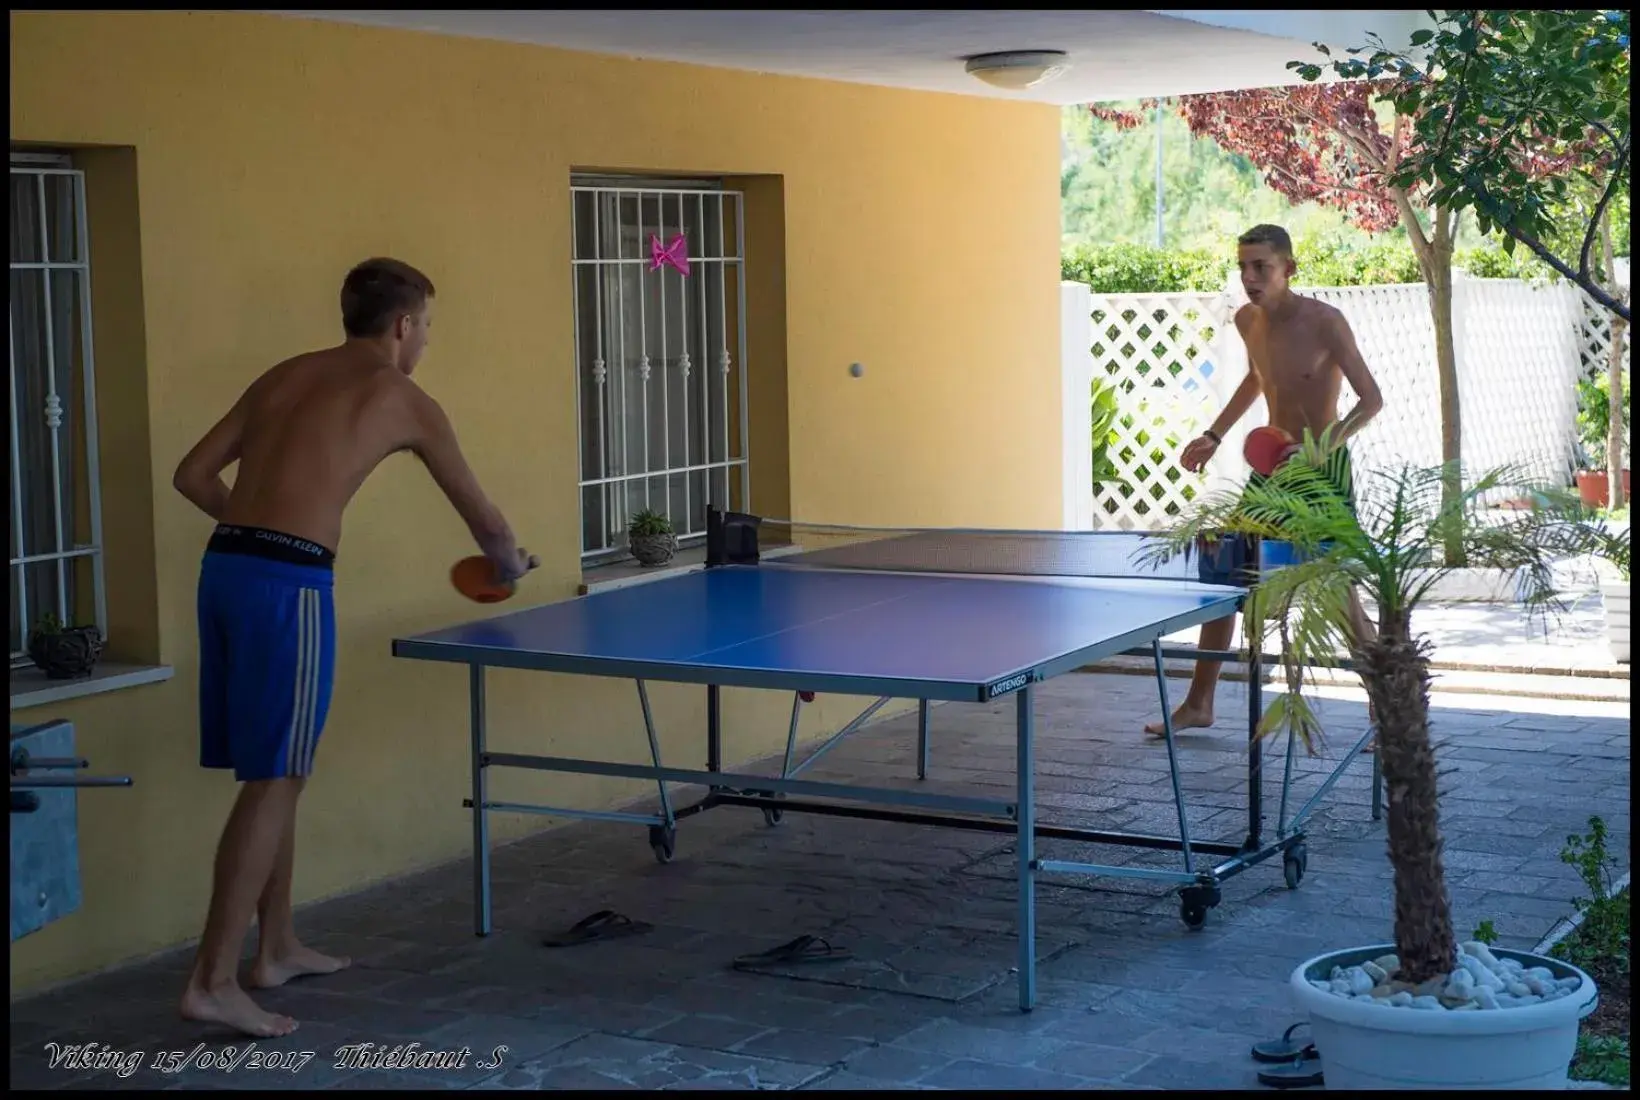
[
  {"x": 772, "y": 814},
  {"x": 1294, "y": 864},
  {"x": 663, "y": 841},
  {"x": 1194, "y": 902}
]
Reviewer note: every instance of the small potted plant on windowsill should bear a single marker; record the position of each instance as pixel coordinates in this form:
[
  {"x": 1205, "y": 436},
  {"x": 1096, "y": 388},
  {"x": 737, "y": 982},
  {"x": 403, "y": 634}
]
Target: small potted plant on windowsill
[
  {"x": 650, "y": 538},
  {"x": 64, "y": 652}
]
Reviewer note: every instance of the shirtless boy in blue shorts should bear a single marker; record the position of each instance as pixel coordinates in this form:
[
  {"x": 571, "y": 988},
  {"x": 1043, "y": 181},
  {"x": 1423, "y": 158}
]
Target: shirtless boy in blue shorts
[
  {"x": 1300, "y": 353},
  {"x": 305, "y": 434}
]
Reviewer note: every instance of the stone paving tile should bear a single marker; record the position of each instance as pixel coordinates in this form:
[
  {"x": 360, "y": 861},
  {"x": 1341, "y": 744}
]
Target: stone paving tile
[
  {"x": 640, "y": 1063},
  {"x": 1128, "y": 998}
]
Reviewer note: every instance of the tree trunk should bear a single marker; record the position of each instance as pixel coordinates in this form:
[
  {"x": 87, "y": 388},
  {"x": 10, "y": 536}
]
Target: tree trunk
[
  {"x": 1395, "y": 667},
  {"x": 1616, "y": 407},
  {"x": 1436, "y": 262},
  {"x": 1434, "y": 253}
]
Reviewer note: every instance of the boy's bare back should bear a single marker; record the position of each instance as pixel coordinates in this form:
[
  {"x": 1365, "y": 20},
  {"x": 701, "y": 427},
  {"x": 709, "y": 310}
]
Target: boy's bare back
[
  {"x": 308, "y": 432},
  {"x": 314, "y": 427}
]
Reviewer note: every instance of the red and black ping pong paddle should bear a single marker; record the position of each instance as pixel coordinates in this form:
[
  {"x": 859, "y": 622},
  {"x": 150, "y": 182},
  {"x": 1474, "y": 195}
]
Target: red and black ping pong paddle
[
  {"x": 475, "y": 578},
  {"x": 1267, "y": 448}
]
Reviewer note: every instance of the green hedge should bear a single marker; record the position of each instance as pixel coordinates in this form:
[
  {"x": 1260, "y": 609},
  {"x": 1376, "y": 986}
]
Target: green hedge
[{"x": 1137, "y": 269}]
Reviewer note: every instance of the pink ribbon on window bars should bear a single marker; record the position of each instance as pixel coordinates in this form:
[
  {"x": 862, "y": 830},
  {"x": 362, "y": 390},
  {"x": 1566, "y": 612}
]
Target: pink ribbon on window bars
[{"x": 675, "y": 254}]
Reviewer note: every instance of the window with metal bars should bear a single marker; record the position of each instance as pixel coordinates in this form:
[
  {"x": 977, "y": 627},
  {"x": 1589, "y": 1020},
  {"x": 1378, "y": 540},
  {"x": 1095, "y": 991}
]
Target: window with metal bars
[
  {"x": 56, "y": 520},
  {"x": 660, "y": 351}
]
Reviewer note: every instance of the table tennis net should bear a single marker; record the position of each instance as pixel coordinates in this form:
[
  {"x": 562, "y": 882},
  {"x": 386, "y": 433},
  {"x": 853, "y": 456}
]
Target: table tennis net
[{"x": 738, "y": 537}]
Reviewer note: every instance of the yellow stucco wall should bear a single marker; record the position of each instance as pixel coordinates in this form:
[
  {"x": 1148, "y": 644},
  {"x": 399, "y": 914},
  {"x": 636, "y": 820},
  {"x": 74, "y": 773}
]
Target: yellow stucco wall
[{"x": 920, "y": 238}]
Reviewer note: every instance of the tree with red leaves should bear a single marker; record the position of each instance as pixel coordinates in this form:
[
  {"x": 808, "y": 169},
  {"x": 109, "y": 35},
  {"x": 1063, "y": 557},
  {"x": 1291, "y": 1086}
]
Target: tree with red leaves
[{"x": 1323, "y": 143}]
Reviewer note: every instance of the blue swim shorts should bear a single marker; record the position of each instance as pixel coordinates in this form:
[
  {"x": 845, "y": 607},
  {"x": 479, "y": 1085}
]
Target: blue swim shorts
[{"x": 267, "y": 652}]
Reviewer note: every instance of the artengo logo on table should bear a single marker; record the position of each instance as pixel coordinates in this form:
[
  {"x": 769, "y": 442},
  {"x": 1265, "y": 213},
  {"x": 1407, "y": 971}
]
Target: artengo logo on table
[{"x": 1008, "y": 686}]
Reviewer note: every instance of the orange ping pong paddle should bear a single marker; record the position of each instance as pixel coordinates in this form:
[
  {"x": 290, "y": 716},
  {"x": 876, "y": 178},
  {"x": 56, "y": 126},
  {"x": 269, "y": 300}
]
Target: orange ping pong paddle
[
  {"x": 475, "y": 578},
  {"x": 1267, "y": 448}
]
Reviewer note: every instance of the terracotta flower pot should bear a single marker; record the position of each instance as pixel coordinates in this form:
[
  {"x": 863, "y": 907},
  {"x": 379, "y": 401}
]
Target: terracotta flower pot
[{"x": 1593, "y": 485}]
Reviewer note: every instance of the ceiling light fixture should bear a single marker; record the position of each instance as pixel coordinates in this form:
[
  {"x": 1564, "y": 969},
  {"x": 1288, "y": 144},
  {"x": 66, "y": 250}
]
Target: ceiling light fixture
[{"x": 1016, "y": 70}]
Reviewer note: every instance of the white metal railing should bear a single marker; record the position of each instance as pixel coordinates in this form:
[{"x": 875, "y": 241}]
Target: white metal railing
[
  {"x": 42, "y": 360},
  {"x": 658, "y": 356}
]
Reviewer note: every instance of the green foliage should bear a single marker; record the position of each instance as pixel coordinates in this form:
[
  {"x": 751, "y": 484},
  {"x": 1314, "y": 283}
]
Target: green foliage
[
  {"x": 1115, "y": 434},
  {"x": 1142, "y": 269},
  {"x": 1337, "y": 260},
  {"x": 1324, "y": 260},
  {"x": 1594, "y": 416},
  {"x": 1604, "y": 930},
  {"x": 648, "y": 522},
  {"x": 1209, "y": 195},
  {"x": 1104, "y": 410},
  {"x": 1603, "y": 1058},
  {"x": 1600, "y": 944},
  {"x": 1490, "y": 261},
  {"x": 48, "y": 624},
  {"x": 1514, "y": 111},
  {"x": 1485, "y": 933}
]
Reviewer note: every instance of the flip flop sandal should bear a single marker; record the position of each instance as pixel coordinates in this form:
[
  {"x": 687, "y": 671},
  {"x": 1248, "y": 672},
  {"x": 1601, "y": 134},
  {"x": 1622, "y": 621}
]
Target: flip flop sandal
[
  {"x": 802, "y": 950},
  {"x": 1286, "y": 1048},
  {"x": 606, "y": 924},
  {"x": 1294, "y": 1075}
]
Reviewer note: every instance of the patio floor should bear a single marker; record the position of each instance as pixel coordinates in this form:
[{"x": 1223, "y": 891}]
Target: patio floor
[{"x": 1128, "y": 998}]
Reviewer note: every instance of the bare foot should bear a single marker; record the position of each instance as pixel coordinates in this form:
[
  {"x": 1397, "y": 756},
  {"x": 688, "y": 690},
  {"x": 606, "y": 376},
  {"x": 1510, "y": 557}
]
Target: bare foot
[
  {"x": 233, "y": 1007},
  {"x": 1185, "y": 718},
  {"x": 299, "y": 962}
]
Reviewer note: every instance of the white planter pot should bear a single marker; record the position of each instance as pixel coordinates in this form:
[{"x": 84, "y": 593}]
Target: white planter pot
[
  {"x": 1371, "y": 1046},
  {"x": 1614, "y": 595}
]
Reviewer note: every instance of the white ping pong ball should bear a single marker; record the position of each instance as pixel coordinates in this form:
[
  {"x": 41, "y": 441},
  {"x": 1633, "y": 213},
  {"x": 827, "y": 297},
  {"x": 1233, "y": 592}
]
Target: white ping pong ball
[{"x": 856, "y": 370}]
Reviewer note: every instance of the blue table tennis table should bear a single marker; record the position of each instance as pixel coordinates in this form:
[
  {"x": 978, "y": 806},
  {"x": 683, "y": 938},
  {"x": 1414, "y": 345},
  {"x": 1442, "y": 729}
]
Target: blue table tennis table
[{"x": 941, "y": 615}]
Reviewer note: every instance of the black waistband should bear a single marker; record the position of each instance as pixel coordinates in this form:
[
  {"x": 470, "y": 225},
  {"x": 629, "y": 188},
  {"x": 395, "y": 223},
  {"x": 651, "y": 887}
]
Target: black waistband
[{"x": 259, "y": 542}]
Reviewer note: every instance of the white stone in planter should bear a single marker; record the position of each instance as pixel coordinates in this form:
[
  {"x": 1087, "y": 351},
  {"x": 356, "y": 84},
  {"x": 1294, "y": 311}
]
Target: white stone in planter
[{"x": 1501, "y": 1019}]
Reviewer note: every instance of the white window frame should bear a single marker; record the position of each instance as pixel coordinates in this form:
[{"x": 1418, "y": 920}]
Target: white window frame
[
  {"x": 37, "y": 168},
  {"x": 595, "y": 362}
]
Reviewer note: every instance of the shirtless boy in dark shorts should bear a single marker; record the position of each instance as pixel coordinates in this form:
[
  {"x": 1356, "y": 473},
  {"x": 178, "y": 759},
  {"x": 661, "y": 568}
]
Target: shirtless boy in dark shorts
[
  {"x": 306, "y": 434},
  {"x": 1299, "y": 352}
]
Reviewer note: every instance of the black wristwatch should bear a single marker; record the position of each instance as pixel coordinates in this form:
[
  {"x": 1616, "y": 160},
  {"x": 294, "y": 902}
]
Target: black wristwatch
[{"x": 1214, "y": 436}]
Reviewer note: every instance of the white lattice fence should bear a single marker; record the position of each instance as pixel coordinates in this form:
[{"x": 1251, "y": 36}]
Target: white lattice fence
[
  {"x": 1156, "y": 351},
  {"x": 1595, "y": 341},
  {"x": 1518, "y": 366},
  {"x": 1174, "y": 359}
]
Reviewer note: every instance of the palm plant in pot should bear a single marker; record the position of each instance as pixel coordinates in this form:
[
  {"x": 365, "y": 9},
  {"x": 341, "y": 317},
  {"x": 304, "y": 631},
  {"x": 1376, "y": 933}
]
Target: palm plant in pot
[{"x": 1489, "y": 1017}]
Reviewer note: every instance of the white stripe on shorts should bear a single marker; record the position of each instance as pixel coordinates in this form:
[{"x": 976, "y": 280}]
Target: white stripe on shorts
[{"x": 299, "y": 741}]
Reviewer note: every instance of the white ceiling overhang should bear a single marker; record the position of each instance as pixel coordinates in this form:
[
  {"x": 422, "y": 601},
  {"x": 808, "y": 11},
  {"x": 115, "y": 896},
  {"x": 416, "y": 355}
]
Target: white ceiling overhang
[{"x": 1113, "y": 54}]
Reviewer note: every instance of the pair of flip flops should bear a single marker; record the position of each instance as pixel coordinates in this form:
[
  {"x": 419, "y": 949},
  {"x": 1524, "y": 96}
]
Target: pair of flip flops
[{"x": 1294, "y": 1063}]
